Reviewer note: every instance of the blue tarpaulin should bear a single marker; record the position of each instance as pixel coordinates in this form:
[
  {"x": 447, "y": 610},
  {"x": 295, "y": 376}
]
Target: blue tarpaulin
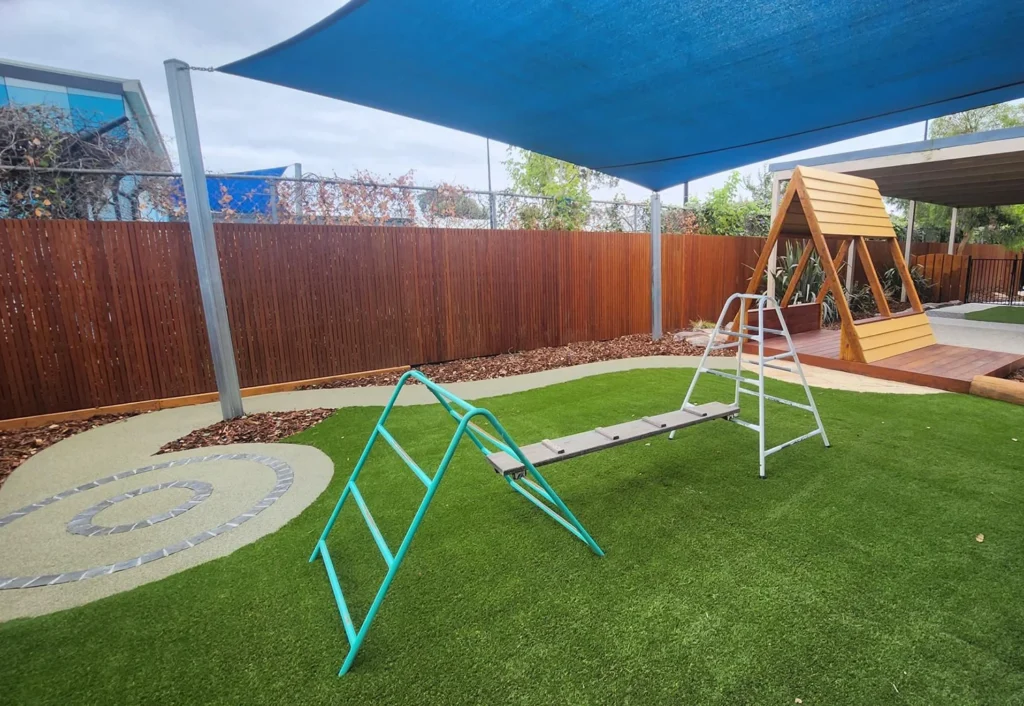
[
  {"x": 248, "y": 196},
  {"x": 661, "y": 91}
]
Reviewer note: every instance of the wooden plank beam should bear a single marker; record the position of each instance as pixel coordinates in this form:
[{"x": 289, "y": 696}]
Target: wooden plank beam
[
  {"x": 766, "y": 251},
  {"x": 839, "y": 259},
  {"x": 872, "y": 275},
  {"x": 908, "y": 281},
  {"x": 798, "y": 273}
]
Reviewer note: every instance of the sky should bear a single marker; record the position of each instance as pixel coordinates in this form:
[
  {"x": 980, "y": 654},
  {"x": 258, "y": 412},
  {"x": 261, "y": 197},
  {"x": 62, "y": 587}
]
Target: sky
[{"x": 250, "y": 125}]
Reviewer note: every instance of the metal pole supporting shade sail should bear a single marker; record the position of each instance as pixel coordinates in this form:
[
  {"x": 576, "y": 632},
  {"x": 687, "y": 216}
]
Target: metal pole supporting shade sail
[{"x": 200, "y": 221}]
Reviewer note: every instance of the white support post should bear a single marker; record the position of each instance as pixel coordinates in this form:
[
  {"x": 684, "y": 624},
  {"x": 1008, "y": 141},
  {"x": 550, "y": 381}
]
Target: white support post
[
  {"x": 907, "y": 247},
  {"x": 774, "y": 256},
  {"x": 200, "y": 222},
  {"x": 952, "y": 233},
  {"x": 655, "y": 265},
  {"x": 274, "y": 216},
  {"x": 851, "y": 267},
  {"x": 297, "y": 205},
  {"x": 492, "y": 203}
]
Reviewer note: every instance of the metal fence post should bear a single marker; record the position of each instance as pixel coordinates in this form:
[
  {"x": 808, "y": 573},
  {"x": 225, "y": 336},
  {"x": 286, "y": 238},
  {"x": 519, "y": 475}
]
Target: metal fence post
[
  {"x": 491, "y": 201},
  {"x": 297, "y": 207},
  {"x": 200, "y": 222},
  {"x": 908, "y": 246},
  {"x": 655, "y": 265},
  {"x": 773, "y": 258},
  {"x": 951, "y": 249}
]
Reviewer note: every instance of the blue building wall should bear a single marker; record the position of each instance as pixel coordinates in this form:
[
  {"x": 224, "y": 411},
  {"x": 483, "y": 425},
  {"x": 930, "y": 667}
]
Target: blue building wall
[{"x": 84, "y": 109}]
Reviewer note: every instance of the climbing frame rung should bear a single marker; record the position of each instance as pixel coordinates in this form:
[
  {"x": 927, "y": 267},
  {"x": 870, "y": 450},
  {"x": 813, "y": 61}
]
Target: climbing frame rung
[
  {"x": 403, "y": 454},
  {"x": 490, "y": 437},
  {"x": 382, "y": 544}
]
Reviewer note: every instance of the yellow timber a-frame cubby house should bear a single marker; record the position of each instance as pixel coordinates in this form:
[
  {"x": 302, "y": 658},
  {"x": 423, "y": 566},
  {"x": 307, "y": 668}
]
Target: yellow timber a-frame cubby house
[{"x": 820, "y": 206}]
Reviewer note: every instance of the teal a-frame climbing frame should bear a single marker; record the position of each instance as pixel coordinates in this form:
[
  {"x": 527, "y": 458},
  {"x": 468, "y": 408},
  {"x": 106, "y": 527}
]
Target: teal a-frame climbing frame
[
  {"x": 525, "y": 480},
  {"x": 518, "y": 465}
]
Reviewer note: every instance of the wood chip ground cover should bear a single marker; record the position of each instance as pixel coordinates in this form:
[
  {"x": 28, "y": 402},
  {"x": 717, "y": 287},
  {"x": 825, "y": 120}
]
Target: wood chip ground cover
[
  {"x": 19, "y": 445},
  {"x": 261, "y": 428},
  {"x": 506, "y": 364}
]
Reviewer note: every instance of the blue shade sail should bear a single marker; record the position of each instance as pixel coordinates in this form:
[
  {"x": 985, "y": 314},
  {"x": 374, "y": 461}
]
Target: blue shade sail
[{"x": 662, "y": 91}]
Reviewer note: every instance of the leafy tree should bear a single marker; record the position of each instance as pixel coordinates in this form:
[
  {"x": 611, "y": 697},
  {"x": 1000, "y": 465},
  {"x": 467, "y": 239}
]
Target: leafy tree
[
  {"x": 991, "y": 117},
  {"x": 566, "y": 186},
  {"x": 365, "y": 199},
  {"x": 450, "y": 202},
  {"x": 1003, "y": 225},
  {"x": 725, "y": 212}
]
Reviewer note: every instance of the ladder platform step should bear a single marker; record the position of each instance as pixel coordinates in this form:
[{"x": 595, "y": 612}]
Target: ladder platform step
[{"x": 605, "y": 437}]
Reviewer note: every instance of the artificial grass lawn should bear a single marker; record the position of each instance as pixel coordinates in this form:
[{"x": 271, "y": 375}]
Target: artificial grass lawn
[
  {"x": 999, "y": 315},
  {"x": 851, "y": 575}
]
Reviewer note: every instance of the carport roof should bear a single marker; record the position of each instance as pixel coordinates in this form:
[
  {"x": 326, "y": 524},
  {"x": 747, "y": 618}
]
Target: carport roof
[{"x": 982, "y": 169}]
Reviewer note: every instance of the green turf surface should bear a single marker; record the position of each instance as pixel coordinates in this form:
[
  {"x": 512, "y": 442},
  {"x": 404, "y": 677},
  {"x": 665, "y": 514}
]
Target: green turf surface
[
  {"x": 850, "y": 576},
  {"x": 999, "y": 315}
]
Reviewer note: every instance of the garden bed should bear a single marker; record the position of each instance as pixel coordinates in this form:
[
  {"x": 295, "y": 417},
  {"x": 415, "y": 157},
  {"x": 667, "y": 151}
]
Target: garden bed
[
  {"x": 19, "y": 445},
  {"x": 506, "y": 364},
  {"x": 269, "y": 427},
  {"x": 261, "y": 428}
]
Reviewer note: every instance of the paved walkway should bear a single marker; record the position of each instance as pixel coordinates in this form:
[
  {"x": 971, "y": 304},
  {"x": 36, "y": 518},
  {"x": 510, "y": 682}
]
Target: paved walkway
[
  {"x": 97, "y": 514},
  {"x": 958, "y": 311},
  {"x": 987, "y": 335}
]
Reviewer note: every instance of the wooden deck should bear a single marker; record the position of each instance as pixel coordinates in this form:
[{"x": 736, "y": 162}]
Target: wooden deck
[{"x": 944, "y": 367}]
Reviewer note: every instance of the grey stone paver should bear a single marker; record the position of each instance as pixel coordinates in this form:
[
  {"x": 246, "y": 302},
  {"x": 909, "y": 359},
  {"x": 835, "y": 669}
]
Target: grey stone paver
[
  {"x": 82, "y": 523},
  {"x": 986, "y": 335}
]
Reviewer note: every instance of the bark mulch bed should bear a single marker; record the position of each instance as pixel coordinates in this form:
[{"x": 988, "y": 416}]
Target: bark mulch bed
[
  {"x": 267, "y": 427},
  {"x": 262, "y": 428},
  {"x": 505, "y": 364},
  {"x": 1017, "y": 375},
  {"x": 18, "y": 445}
]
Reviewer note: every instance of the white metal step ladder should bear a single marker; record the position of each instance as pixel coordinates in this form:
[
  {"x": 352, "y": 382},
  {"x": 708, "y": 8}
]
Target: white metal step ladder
[{"x": 745, "y": 333}]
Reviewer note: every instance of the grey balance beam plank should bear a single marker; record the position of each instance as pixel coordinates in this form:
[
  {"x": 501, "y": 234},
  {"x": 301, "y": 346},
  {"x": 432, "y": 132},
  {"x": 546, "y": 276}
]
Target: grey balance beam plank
[{"x": 566, "y": 447}]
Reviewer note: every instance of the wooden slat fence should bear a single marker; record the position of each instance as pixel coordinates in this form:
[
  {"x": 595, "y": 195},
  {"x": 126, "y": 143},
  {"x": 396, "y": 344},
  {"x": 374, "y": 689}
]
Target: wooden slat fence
[
  {"x": 96, "y": 313},
  {"x": 99, "y": 314},
  {"x": 948, "y": 274},
  {"x": 699, "y": 272}
]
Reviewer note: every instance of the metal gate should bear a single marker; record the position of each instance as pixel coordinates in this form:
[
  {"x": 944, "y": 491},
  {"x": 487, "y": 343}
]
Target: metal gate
[{"x": 995, "y": 281}]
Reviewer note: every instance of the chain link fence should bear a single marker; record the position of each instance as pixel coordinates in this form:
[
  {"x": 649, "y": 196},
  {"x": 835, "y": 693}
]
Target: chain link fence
[{"x": 93, "y": 194}]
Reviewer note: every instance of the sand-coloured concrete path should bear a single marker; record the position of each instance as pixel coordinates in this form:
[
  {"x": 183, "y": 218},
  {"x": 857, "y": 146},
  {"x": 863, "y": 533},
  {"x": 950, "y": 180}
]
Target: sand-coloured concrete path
[{"x": 98, "y": 513}]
